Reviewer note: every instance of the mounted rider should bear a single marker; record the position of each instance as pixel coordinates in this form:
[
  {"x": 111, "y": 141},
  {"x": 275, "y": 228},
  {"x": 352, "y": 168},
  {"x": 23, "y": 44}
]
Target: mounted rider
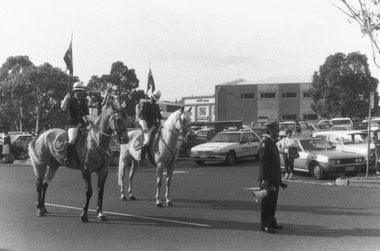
[
  {"x": 76, "y": 103},
  {"x": 150, "y": 120}
]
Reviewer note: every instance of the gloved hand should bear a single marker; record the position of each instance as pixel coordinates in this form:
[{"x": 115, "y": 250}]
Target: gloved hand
[
  {"x": 68, "y": 96},
  {"x": 283, "y": 185},
  {"x": 145, "y": 130},
  {"x": 264, "y": 184}
]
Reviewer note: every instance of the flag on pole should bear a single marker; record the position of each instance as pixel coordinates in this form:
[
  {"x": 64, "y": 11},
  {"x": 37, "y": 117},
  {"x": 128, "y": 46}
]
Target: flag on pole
[
  {"x": 150, "y": 82},
  {"x": 68, "y": 58}
]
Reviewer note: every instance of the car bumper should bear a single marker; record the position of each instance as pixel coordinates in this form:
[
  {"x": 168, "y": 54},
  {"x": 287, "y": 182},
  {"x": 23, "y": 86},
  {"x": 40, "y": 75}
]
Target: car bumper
[{"x": 208, "y": 157}]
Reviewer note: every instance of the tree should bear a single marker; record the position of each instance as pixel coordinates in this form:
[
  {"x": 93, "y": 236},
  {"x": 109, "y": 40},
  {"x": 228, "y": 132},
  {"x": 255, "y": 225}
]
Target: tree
[
  {"x": 124, "y": 79},
  {"x": 13, "y": 84},
  {"x": 342, "y": 86},
  {"x": 367, "y": 15}
]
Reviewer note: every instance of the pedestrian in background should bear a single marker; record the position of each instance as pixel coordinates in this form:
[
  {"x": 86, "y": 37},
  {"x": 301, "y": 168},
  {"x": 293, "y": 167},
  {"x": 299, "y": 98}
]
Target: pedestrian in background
[
  {"x": 376, "y": 142},
  {"x": 6, "y": 145},
  {"x": 270, "y": 176},
  {"x": 288, "y": 149}
]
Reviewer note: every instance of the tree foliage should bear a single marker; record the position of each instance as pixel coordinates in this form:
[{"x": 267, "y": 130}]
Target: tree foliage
[
  {"x": 124, "y": 79},
  {"x": 342, "y": 86},
  {"x": 366, "y": 13}
]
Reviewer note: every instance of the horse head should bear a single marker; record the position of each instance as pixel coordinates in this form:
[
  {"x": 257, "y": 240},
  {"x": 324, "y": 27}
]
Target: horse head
[
  {"x": 183, "y": 122},
  {"x": 118, "y": 121}
]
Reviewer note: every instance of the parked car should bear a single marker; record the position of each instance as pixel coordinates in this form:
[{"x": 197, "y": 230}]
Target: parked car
[
  {"x": 19, "y": 146},
  {"x": 300, "y": 128},
  {"x": 355, "y": 141},
  {"x": 342, "y": 128},
  {"x": 341, "y": 122},
  {"x": 201, "y": 136},
  {"x": 227, "y": 147},
  {"x": 319, "y": 158}
]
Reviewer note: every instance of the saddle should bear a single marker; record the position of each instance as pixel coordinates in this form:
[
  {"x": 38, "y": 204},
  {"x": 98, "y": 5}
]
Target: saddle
[{"x": 61, "y": 140}]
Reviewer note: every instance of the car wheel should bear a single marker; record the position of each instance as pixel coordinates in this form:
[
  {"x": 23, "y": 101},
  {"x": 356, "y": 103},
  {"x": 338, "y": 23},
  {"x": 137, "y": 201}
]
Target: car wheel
[
  {"x": 200, "y": 162},
  {"x": 187, "y": 151},
  {"x": 317, "y": 171},
  {"x": 230, "y": 158},
  {"x": 11, "y": 157},
  {"x": 115, "y": 159}
]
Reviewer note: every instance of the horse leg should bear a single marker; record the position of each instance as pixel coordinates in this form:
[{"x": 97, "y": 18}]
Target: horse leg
[
  {"x": 53, "y": 167},
  {"x": 132, "y": 173},
  {"x": 169, "y": 174},
  {"x": 159, "y": 172},
  {"x": 102, "y": 177},
  {"x": 121, "y": 173},
  {"x": 39, "y": 185},
  {"x": 87, "y": 181}
]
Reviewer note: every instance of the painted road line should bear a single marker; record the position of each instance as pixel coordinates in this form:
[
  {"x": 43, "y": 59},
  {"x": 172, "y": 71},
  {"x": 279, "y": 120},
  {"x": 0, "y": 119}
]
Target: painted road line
[{"x": 133, "y": 216}]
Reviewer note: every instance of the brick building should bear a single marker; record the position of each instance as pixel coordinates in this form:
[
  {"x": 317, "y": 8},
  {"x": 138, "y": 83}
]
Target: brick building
[{"x": 272, "y": 99}]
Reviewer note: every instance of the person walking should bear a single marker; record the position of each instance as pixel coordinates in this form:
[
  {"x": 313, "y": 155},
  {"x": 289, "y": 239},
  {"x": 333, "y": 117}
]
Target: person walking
[
  {"x": 76, "y": 103},
  {"x": 376, "y": 142},
  {"x": 288, "y": 149},
  {"x": 6, "y": 146},
  {"x": 270, "y": 177}
]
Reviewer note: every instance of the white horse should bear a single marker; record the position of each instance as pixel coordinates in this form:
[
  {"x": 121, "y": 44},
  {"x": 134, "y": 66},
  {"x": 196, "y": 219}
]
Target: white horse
[{"x": 163, "y": 152}]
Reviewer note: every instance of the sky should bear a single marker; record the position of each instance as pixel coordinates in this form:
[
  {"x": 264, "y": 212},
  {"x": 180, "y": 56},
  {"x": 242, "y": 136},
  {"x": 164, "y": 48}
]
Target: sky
[{"x": 190, "y": 45}]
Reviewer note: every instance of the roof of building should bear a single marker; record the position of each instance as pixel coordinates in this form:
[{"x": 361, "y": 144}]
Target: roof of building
[{"x": 272, "y": 80}]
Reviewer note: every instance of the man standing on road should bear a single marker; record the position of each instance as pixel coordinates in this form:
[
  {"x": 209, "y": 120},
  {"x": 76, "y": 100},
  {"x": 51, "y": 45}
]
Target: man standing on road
[
  {"x": 270, "y": 176},
  {"x": 376, "y": 142}
]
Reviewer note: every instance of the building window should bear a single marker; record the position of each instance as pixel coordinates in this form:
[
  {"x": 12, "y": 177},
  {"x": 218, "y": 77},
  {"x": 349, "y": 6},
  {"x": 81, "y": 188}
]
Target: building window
[
  {"x": 289, "y": 117},
  {"x": 310, "y": 116},
  {"x": 289, "y": 95},
  {"x": 307, "y": 94},
  {"x": 268, "y": 95},
  {"x": 247, "y": 95}
]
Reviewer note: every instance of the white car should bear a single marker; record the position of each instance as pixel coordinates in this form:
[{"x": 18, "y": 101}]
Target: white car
[
  {"x": 227, "y": 147},
  {"x": 355, "y": 141}
]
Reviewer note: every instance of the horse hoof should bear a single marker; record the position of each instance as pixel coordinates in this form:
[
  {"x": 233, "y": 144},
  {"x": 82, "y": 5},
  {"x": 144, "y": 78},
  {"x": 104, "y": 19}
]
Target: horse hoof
[
  {"x": 132, "y": 197},
  {"x": 84, "y": 219},
  {"x": 123, "y": 198},
  {"x": 169, "y": 204},
  {"x": 40, "y": 213},
  {"x": 159, "y": 204},
  {"x": 102, "y": 217}
]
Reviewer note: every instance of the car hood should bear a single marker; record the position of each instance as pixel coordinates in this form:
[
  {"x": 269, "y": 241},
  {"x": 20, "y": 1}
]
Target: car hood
[
  {"x": 212, "y": 146},
  {"x": 357, "y": 148},
  {"x": 336, "y": 154}
]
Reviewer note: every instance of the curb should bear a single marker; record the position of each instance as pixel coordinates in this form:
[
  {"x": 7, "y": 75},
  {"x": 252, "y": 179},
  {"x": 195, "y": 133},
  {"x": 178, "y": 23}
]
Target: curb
[{"x": 358, "y": 181}]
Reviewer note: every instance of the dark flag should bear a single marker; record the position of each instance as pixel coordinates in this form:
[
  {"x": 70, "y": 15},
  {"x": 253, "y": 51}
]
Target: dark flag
[
  {"x": 68, "y": 58},
  {"x": 150, "y": 82}
]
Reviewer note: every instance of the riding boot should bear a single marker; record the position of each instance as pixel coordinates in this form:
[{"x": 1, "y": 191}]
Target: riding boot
[
  {"x": 69, "y": 154},
  {"x": 142, "y": 161}
]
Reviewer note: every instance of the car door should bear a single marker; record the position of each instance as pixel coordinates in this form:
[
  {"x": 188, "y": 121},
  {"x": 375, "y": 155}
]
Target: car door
[
  {"x": 244, "y": 146},
  {"x": 254, "y": 144},
  {"x": 301, "y": 162}
]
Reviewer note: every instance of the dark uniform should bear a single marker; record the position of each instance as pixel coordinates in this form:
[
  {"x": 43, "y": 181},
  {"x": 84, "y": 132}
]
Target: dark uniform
[
  {"x": 78, "y": 108},
  {"x": 269, "y": 171},
  {"x": 151, "y": 113}
]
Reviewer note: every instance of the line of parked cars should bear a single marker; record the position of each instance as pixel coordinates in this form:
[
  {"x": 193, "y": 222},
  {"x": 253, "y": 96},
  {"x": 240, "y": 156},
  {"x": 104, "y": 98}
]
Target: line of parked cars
[{"x": 19, "y": 145}]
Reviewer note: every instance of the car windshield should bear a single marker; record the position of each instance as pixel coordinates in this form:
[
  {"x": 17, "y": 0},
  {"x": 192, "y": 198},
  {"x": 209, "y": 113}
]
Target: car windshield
[
  {"x": 226, "y": 137},
  {"x": 315, "y": 144}
]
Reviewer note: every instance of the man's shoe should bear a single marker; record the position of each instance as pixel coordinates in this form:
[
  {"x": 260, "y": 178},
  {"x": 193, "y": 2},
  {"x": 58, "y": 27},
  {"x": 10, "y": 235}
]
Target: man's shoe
[
  {"x": 286, "y": 176},
  {"x": 268, "y": 230},
  {"x": 291, "y": 176}
]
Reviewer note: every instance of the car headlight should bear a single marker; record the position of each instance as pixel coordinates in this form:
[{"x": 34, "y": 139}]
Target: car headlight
[
  {"x": 359, "y": 160},
  {"x": 336, "y": 161}
]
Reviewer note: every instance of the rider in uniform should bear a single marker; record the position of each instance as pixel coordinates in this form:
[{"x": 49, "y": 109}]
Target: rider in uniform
[
  {"x": 270, "y": 177},
  {"x": 150, "y": 120},
  {"x": 76, "y": 103}
]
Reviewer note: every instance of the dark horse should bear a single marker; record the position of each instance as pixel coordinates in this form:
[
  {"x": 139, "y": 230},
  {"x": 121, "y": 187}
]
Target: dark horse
[{"x": 48, "y": 150}]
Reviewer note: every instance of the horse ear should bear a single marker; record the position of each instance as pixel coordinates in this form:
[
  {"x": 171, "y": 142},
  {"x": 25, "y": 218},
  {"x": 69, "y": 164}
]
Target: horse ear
[
  {"x": 124, "y": 104},
  {"x": 189, "y": 109}
]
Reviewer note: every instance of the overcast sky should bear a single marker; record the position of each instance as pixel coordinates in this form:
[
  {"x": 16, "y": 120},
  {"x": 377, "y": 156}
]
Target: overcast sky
[{"x": 191, "y": 45}]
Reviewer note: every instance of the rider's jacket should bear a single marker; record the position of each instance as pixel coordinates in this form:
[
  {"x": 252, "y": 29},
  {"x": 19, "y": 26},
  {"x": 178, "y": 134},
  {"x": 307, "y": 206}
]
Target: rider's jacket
[
  {"x": 151, "y": 113},
  {"x": 78, "y": 109}
]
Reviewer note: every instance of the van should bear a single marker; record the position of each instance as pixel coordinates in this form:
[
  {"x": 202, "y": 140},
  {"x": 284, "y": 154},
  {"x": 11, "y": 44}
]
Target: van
[{"x": 341, "y": 122}]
